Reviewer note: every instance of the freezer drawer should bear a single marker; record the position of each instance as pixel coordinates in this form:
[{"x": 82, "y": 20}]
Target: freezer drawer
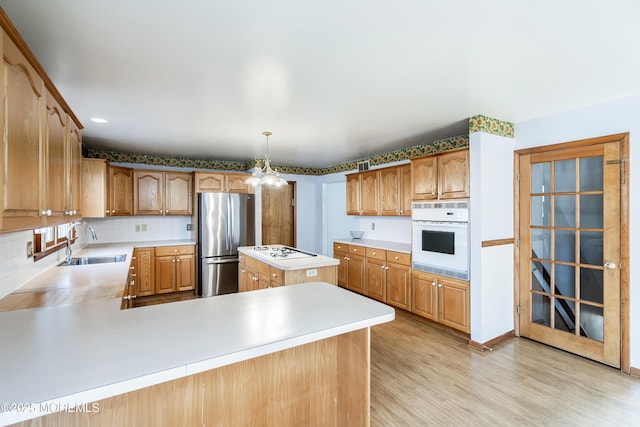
[{"x": 218, "y": 276}]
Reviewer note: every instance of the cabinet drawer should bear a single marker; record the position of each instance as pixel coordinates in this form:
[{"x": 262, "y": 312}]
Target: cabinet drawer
[
  {"x": 399, "y": 258},
  {"x": 357, "y": 250},
  {"x": 340, "y": 247},
  {"x": 277, "y": 275},
  {"x": 380, "y": 254},
  {"x": 175, "y": 250}
]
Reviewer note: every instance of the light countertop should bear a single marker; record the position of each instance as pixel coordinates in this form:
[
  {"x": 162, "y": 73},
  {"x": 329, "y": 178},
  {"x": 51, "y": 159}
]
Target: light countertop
[
  {"x": 81, "y": 283},
  {"x": 379, "y": 244},
  {"x": 290, "y": 263},
  {"x": 81, "y": 353}
]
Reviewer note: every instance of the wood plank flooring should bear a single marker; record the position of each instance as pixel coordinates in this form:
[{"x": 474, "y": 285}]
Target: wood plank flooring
[{"x": 424, "y": 376}]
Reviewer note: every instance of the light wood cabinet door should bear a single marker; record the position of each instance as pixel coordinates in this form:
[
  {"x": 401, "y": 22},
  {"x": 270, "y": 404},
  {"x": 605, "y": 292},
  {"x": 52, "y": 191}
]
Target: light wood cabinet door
[
  {"x": 453, "y": 174},
  {"x": 74, "y": 202},
  {"x": 94, "y": 188},
  {"x": 369, "y": 193},
  {"x": 178, "y": 194},
  {"x": 399, "y": 285},
  {"x": 353, "y": 194},
  {"x": 342, "y": 268},
  {"x": 185, "y": 273},
  {"x": 55, "y": 196},
  {"x": 405, "y": 190},
  {"x": 375, "y": 274},
  {"x": 390, "y": 191},
  {"x": 235, "y": 183},
  {"x": 356, "y": 273},
  {"x": 120, "y": 191},
  {"x": 145, "y": 271},
  {"x": 165, "y": 274},
  {"x": 453, "y": 304},
  {"x": 424, "y": 178},
  {"x": 148, "y": 193},
  {"x": 20, "y": 170},
  {"x": 244, "y": 277},
  {"x": 425, "y": 295}
]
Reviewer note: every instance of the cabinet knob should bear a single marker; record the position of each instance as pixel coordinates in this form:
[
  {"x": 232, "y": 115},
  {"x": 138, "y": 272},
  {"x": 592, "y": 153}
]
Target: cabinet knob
[
  {"x": 161, "y": 211},
  {"x": 107, "y": 211},
  {"x": 382, "y": 266},
  {"x": 386, "y": 268},
  {"x": 397, "y": 258},
  {"x": 175, "y": 250},
  {"x": 173, "y": 260},
  {"x": 433, "y": 283},
  {"x": 113, "y": 211},
  {"x": 243, "y": 271},
  {"x": 374, "y": 254},
  {"x": 274, "y": 275},
  {"x": 439, "y": 285}
]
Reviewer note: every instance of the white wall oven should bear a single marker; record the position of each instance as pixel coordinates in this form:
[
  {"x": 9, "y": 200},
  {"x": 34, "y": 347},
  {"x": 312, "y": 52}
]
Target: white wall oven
[{"x": 440, "y": 238}]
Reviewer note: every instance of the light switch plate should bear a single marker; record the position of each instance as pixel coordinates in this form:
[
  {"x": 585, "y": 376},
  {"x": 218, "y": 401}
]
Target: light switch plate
[
  {"x": 189, "y": 227},
  {"x": 29, "y": 249}
]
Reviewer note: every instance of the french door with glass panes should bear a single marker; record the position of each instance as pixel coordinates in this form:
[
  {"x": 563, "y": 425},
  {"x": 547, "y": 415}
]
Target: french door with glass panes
[{"x": 569, "y": 256}]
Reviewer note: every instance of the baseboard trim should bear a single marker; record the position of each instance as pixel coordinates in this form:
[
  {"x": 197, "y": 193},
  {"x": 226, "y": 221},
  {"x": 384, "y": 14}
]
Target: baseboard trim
[
  {"x": 489, "y": 345},
  {"x": 634, "y": 372}
]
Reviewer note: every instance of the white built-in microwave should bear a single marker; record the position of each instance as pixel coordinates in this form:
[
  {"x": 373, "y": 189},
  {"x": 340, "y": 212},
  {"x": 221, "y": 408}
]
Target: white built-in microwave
[{"x": 440, "y": 238}]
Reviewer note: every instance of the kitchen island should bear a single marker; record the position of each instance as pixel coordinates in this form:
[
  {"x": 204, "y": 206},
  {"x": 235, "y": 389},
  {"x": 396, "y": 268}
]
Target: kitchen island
[
  {"x": 269, "y": 266},
  {"x": 290, "y": 355}
]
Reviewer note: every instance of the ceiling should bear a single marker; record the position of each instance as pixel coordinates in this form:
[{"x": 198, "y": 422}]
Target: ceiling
[{"x": 334, "y": 81}]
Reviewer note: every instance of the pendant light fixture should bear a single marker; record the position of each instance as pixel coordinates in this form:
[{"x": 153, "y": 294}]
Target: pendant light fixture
[{"x": 266, "y": 175}]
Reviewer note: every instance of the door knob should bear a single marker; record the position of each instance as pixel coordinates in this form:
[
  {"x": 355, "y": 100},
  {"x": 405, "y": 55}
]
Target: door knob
[{"x": 609, "y": 265}]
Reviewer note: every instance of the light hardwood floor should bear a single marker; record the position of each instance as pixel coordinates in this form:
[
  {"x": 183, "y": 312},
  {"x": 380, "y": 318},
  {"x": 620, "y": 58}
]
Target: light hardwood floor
[{"x": 424, "y": 376}]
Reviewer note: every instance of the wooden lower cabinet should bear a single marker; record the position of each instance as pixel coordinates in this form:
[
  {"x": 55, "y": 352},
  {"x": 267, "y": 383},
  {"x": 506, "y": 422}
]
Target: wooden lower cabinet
[
  {"x": 162, "y": 270},
  {"x": 442, "y": 299},
  {"x": 377, "y": 273}
]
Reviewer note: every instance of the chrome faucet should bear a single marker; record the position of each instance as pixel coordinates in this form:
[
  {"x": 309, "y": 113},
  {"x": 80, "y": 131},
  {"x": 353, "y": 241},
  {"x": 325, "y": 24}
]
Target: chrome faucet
[{"x": 69, "y": 232}]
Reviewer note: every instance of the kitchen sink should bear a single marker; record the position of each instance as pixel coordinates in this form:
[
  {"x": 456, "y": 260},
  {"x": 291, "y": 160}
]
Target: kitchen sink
[{"x": 94, "y": 260}]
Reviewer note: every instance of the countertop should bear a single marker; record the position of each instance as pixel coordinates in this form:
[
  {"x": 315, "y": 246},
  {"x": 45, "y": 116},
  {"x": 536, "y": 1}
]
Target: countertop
[
  {"x": 290, "y": 263},
  {"x": 80, "y": 353},
  {"x": 379, "y": 244},
  {"x": 81, "y": 283}
]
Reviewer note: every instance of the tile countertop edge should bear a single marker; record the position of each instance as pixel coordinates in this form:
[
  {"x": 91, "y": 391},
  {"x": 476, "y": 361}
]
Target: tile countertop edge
[
  {"x": 359, "y": 318},
  {"x": 378, "y": 244}
]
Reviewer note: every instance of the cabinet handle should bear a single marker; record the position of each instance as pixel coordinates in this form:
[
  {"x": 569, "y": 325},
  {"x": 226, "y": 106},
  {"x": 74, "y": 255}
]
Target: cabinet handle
[
  {"x": 132, "y": 268},
  {"x": 47, "y": 212},
  {"x": 133, "y": 275},
  {"x": 132, "y": 283}
]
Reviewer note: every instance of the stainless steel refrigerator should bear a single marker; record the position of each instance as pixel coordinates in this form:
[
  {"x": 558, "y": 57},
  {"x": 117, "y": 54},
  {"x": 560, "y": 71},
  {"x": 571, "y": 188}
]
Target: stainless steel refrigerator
[{"x": 226, "y": 221}]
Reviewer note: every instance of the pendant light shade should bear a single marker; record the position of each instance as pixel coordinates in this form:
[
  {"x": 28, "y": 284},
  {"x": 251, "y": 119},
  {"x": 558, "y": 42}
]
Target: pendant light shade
[{"x": 266, "y": 175}]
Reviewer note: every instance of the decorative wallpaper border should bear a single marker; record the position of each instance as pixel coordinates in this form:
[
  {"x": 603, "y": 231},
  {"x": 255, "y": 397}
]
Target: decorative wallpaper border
[
  {"x": 490, "y": 125},
  {"x": 223, "y": 165}
]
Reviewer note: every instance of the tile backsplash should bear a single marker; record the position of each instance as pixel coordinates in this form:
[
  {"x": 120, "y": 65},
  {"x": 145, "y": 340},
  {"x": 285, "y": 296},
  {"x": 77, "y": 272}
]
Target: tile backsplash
[{"x": 16, "y": 269}]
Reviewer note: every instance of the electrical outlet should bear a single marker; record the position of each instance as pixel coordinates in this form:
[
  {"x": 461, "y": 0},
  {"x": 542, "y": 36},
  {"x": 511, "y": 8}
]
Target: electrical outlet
[
  {"x": 143, "y": 227},
  {"x": 373, "y": 225},
  {"x": 312, "y": 273},
  {"x": 189, "y": 227},
  {"x": 137, "y": 228},
  {"x": 29, "y": 249}
]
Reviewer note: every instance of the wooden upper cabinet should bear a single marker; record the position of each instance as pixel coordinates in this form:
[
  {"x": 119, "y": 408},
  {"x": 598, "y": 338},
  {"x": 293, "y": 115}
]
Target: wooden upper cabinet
[
  {"x": 161, "y": 193},
  {"x": 56, "y": 177},
  {"x": 21, "y": 175},
  {"x": 120, "y": 191},
  {"x": 94, "y": 188},
  {"x": 395, "y": 191},
  {"x": 441, "y": 176},
  {"x": 424, "y": 178},
  {"x": 353, "y": 194},
  {"x": 148, "y": 193},
  {"x": 222, "y": 181},
  {"x": 363, "y": 193},
  {"x": 178, "y": 193},
  {"x": 453, "y": 174},
  {"x": 74, "y": 196}
]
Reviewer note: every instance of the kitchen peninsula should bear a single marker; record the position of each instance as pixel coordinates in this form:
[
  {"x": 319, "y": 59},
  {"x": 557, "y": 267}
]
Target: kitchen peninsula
[
  {"x": 277, "y": 265},
  {"x": 291, "y": 355}
]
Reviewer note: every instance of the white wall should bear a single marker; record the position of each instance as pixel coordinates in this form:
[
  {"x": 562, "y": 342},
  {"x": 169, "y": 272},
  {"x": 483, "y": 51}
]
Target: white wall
[
  {"x": 123, "y": 229},
  {"x": 491, "y": 218},
  {"x": 622, "y": 115}
]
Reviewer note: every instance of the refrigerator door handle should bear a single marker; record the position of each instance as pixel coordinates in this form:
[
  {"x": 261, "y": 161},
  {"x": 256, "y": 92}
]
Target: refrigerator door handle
[
  {"x": 229, "y": 223},
  {"x": 221, "y": 261}
]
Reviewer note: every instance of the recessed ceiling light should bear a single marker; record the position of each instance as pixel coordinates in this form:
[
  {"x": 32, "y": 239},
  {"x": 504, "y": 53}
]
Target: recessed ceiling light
[{"x": 99, "y": 120}]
